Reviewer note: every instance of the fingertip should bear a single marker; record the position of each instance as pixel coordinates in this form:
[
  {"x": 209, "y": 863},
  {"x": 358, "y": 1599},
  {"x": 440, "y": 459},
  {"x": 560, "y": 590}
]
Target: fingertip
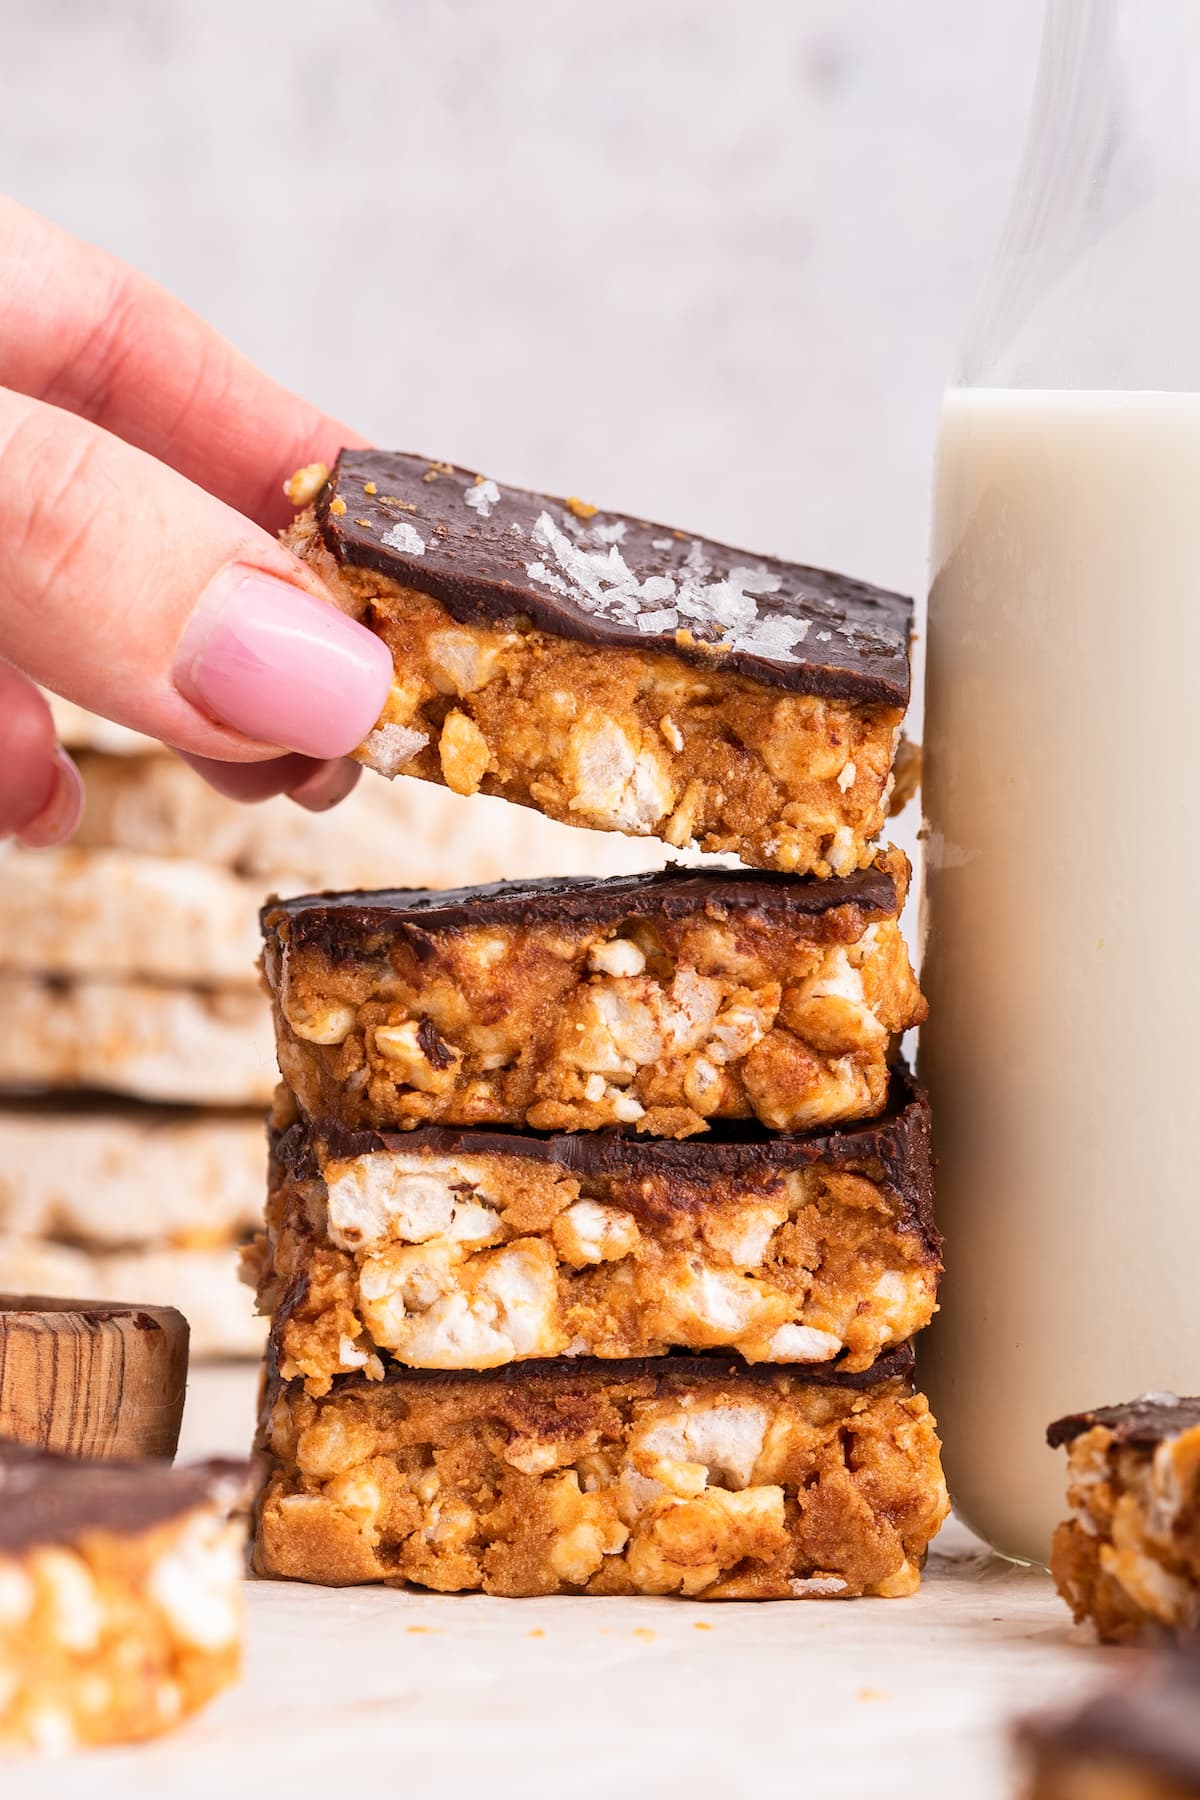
[
  {"x": 29, "y": 735},
  {"x": 60, "y": 814},
  {"x": 327, "y": 786},
  {"x": 251, "y": 783}
]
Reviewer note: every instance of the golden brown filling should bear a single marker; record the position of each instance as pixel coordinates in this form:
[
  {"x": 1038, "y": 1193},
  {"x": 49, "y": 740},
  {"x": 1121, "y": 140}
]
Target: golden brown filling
[
  {"x": 118, "y": 1638},
  {"x": 1128, "y": 1560},
  {"x": 639, "y": 741},
  {"x": 663, "y": 1023},
  {"x": 475, "y": 1261},
  {"x": 604, "y": 1482},
  {"x": 1063, "y": 1775}
]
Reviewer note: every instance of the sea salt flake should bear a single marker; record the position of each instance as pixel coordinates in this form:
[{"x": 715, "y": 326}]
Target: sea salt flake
[
  {"x": 756, "y": 581},
  {"x": 539, "y": 572},
  {"x": 585, "y": 564},
  {"x": 406, "y": 538},
  {"x": 872, "y": 637},
  {"x": 662, "y": 543},
  {"x": 482, "y": 497},
  {"x": 389, "y": 747},
  {"x": 728, "y": 605},
  {"x": 778, "y": 635}
]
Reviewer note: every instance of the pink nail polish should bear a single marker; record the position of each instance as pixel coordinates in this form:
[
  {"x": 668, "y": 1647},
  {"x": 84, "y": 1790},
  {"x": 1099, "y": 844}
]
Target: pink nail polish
[
  {"x": 273, "y": 662},
  {"x": 62, "y": 811}
]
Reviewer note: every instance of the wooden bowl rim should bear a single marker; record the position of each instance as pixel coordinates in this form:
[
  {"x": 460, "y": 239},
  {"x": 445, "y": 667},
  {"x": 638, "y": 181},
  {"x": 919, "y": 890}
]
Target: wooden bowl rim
[{"x": 92, "y": 1312}]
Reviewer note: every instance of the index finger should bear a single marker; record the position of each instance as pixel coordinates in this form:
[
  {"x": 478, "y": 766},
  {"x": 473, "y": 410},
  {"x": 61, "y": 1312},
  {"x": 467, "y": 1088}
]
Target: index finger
[{"x": 88, "y": 334}]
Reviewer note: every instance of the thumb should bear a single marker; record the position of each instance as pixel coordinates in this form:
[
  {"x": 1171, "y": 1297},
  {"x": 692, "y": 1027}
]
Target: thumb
[{"x": 131, "y": 591}]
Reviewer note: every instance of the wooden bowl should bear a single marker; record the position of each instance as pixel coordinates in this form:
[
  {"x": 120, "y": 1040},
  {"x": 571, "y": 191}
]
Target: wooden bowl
[{"x": 92, "y": 1378}]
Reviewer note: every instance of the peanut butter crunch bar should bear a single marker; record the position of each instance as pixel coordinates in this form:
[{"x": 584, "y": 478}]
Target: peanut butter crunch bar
[{"x": 610, "y": 672}]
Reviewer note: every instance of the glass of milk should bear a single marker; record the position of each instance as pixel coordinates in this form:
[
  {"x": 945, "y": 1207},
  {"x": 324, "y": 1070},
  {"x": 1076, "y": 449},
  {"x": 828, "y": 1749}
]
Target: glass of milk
[{"x": 1062, "y": 909}]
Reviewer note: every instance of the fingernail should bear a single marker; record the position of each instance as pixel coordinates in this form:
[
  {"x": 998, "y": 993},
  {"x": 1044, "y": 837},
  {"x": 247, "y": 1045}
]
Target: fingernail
[
  {"x": 327, "y": 785},
  {"x": 62, "y": 811},
  {"x": 273, "y": 662}
]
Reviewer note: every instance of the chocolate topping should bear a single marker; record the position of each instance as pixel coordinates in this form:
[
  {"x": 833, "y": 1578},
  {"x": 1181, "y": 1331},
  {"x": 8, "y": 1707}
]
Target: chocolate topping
[
  {"x": 897, "y": 1144},
  {"x": 1153, "y": 1721},
  {"x": 339, "y": 922},
  {"x": 496, "y": 556},
  {"x": 1141, "y": 1423},
  {"x": 50, "y": 1499},
  {"x": 676, "y": 1371}
]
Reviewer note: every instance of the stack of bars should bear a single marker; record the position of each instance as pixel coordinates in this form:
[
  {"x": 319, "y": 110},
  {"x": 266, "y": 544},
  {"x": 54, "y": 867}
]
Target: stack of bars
[
  {"x": 136, "y": 1058},
  {"x": 599, "y": 1216}
]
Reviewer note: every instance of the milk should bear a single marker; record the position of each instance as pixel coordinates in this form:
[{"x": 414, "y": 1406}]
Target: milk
[{"x": 1062, "y": 917}]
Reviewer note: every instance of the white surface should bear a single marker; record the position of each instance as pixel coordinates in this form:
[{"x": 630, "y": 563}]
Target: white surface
[
  {"x": 704, "y": 262},
  {"x": 455, "y": 1695},
  {"x": 461, "y": 1695}
]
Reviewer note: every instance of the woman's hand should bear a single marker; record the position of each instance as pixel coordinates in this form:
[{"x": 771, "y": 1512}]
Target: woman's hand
[{"x": 141, "y": 470}]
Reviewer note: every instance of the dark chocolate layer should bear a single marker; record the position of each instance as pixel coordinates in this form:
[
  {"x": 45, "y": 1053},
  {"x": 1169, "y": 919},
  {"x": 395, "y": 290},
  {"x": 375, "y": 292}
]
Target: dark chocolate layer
[
  {"x": 50, "y": 1499},
  {"x": 495, "y": 556},
  {"x": 1151, "y": 1723},
  {"x": 676, "y": 1372},
  {"x": 897, "y": 1142},
  {"x": 339, "y": 923},
  {"x": 1141, "y": 1423}
]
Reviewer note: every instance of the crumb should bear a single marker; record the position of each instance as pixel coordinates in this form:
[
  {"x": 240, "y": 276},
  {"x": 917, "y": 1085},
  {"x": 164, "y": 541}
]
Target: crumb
[
  {"x": 581, "y": 508},
  {"x": 702, "y": 1625},
  {"x": 437, "y": 468},
  {"x": 537, "y": 1632},
  {"x": 337, "y": 505},
  {"x": 422, "y": 1630},
  {"x": 306, "y": 483},
  {"x": 365, "y": 522},
  {"x": 369, "y": 487},
  {"x": 867, "y": 1693},
  {"x": 640, "y": 1631}
]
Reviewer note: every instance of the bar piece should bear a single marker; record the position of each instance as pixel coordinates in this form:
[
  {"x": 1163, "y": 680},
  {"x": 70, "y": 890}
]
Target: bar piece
[
  {"x": 451, "y": 1249},
  {"x": 665, "y": 1001},
  {"x": 120, "y": 1610},
  {"x": 204, "y": 1047},
  {"x": 610, "y": 672},
  {"x": 697, "y": 1475},
  {"x": 1128, "y": 1559},
  {"x": 1136, "y": 1741}
]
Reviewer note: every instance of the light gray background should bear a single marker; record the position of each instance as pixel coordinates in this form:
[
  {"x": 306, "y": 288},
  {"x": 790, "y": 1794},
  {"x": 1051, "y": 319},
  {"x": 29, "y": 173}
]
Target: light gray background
[{"x": 708, "y": 262}]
